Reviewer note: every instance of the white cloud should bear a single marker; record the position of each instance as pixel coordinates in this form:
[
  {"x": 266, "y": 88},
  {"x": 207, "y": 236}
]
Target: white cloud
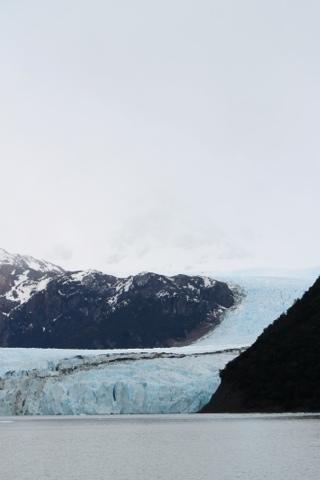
[{"x": 173, "y": 135}]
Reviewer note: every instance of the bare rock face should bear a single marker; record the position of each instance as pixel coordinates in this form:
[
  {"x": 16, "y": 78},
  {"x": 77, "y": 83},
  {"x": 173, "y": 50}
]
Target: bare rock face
[{"x": 41, "y": 305}]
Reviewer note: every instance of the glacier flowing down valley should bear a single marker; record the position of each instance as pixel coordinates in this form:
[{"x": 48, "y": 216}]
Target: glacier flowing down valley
[
  {"x": 265, "y": 299},
  {"x": 170, "y": 380}
]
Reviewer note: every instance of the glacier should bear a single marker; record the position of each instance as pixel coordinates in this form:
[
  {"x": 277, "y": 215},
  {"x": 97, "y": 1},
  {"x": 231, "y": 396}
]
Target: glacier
[
  {"x": 109, "y": 383},
  {"x": 169, "y": 380},
  {"x": 265, "y": 299}
]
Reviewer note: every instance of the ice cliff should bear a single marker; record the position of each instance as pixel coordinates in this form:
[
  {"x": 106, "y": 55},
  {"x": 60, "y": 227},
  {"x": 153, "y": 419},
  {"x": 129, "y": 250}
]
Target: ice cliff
[{"x": 108, "y": 383}]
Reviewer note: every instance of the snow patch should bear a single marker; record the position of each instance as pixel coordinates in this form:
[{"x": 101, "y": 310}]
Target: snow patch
[
  {"x": 23, "y": 288},
  {"x": 208, "y": 282},
  {"x": 79, "y": 276}
]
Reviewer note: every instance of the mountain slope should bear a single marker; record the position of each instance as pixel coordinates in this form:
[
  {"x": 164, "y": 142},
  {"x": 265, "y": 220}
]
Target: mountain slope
[
  {"x": 20, "y": 278},
  {"x": 42, "y": 305},
  {"x": 281, "y": 370}
]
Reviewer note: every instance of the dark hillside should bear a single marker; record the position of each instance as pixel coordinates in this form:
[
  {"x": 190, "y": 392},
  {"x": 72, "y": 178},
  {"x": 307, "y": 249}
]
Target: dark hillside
[{"x": 281, "y": 370}]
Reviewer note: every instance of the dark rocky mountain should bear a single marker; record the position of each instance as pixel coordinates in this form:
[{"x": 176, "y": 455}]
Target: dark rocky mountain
[
  {"x": 20, "y": 278},
  {"x": 41, "y": 305},
  {"x": 281, "y": 371}
]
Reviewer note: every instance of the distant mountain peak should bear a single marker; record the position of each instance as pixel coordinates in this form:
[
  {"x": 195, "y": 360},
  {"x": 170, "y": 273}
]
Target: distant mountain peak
[{"x": 28, "y": 262}]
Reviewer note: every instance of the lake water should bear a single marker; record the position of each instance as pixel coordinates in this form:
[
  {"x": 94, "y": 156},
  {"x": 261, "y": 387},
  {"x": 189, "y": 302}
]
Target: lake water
[{"x": 173, "y": 447}]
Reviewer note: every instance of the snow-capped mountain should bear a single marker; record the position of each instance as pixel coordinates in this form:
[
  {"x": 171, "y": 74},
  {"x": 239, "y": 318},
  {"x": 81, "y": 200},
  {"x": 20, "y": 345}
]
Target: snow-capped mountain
[
  {"x": 27, "y": 263},
  {"x": 41, "y": 305},
  {"x": 21, "y": 277}
]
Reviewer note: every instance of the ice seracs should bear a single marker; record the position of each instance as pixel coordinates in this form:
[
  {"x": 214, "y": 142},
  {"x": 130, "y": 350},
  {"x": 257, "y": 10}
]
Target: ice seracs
[{"x": 110, "y": 382}]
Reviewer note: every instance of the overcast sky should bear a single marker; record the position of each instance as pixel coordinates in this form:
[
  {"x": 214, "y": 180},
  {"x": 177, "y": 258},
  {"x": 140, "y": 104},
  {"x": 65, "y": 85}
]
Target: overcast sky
[{"x": 173, "y": 135}]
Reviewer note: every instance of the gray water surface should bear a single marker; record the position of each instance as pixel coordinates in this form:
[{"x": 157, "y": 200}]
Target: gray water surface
[{"x": 168, "y": 447}]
